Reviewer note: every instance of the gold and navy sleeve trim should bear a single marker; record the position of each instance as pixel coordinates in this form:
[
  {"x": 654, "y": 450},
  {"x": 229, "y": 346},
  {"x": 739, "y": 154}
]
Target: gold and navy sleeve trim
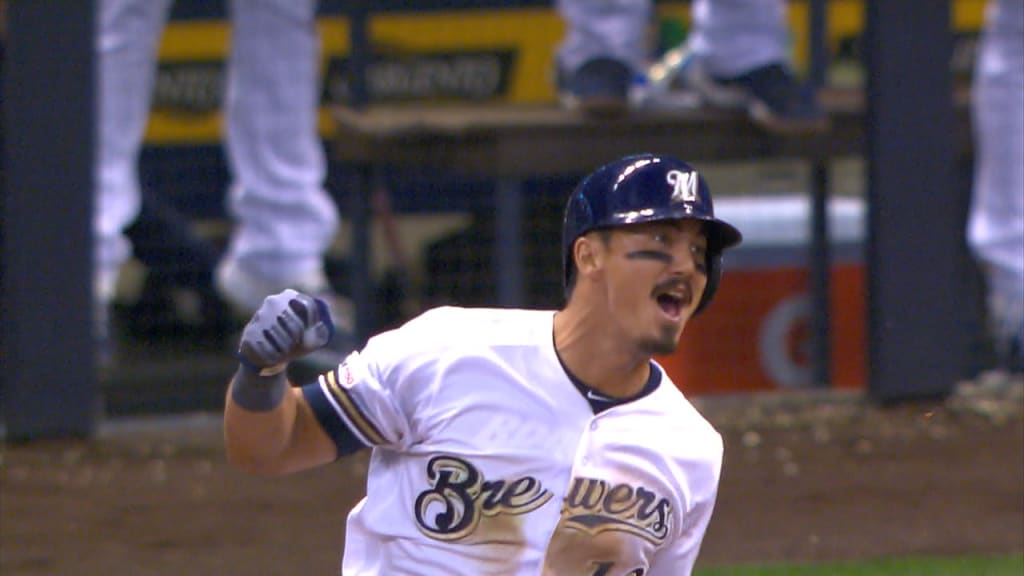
[
  {"x": 357, "y": 420},
  {"x": 345, "y": 441}
]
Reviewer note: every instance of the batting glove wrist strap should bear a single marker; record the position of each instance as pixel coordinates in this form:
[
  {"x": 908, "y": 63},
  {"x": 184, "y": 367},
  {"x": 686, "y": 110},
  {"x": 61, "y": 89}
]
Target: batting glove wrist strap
[{"x": 257, "y": 392}]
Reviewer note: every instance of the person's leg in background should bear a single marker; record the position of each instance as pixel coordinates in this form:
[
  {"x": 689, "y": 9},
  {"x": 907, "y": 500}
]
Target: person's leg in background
[
  {"x": 605, "y": 45},
  {"x": 996, "y": 220},
  {"x": 733, "y": 37},
  {"x": 737, "y": 58},
  {"x": 285, "y": 220},
  {"x": 128, "y": 34},
  {"x": 740, "y": 60},
  {"x": 178, "y": 299}
]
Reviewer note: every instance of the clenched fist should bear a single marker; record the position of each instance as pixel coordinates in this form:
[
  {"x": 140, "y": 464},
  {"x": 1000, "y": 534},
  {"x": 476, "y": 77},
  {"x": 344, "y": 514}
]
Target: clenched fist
[{"x": 287, "y": 325}]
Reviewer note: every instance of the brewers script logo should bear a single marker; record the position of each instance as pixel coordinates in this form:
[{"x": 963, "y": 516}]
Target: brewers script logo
[
  {"x": 684, "y": 185},
  {"x": 595, "y": 506},
  {"x": 459, "y": 497}
]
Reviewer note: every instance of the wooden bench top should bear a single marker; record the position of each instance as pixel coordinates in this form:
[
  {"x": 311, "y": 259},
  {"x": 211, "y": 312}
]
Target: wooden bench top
[{"x": 504, "y": 140}]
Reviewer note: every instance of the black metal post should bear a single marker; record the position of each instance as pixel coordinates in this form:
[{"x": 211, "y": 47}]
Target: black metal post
[
  {"x": 818, "y": 34},
  {"x": 821, "y": 280},
  {"x": 916, "y": 348},
  {"x": 359, "y": 52},
  {"x": 508, "y": 243},
  {"x": 821, "y": 254},
  {"x": 49, "y": 373},
  {"x": 363, "y": 180}
]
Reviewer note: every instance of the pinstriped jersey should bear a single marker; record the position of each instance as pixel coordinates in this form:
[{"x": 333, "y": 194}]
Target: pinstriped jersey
[{"x": 487, "y": 460}]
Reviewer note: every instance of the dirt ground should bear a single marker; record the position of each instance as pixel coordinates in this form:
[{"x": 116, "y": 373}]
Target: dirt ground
[{"x": 808, "y": 477}]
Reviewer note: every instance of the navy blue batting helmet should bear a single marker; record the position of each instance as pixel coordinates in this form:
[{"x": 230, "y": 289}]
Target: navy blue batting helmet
[{"x": 646, "y": 188}]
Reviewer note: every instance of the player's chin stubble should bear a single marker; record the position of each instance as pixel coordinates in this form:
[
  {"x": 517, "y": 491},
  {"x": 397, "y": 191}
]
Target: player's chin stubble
[{"x": 664, "y": 344}]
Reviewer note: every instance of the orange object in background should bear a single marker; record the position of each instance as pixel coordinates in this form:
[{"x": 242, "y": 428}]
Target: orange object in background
[{"x": 757, "y": 333}]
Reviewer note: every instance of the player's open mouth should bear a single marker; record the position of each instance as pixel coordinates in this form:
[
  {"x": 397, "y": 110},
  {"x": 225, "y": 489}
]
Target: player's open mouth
[{"x": 673, "y": 301}]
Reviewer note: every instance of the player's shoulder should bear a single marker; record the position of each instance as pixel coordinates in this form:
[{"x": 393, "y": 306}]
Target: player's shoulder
[
  {"x": 476, "y": 324},
  {"x": 455, "y": 325},
  {"x": 680, "y": 413}
]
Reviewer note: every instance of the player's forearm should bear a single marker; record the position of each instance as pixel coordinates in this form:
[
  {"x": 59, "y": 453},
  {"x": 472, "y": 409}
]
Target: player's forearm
[
  {"x": 269, "y": 428},
  {"x": 259, "y": 425}
]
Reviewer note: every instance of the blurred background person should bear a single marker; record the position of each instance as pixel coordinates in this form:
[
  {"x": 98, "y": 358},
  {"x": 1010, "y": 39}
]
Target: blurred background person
[
  {"x": 284, "y": 218},
  {"x": 996, "y": 220},
  {"x": 736, "y": 58}
]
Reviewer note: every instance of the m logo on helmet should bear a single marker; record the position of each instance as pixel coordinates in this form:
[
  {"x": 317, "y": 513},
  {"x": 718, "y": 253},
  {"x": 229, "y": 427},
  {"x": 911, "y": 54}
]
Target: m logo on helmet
[{"x": 684, "y": 185}]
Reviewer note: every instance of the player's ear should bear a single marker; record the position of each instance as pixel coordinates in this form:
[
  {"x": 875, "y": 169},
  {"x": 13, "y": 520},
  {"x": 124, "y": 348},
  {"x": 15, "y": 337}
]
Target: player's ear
[{"x": 587, "y": 255}]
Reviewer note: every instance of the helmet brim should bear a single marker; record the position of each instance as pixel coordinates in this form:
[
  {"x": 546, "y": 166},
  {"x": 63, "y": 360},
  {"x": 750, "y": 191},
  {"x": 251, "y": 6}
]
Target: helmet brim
[{"x": 720, "y": 234}]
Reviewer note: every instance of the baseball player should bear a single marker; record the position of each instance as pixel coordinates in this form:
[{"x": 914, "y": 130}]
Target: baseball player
[{"x": 511, "y": 441}]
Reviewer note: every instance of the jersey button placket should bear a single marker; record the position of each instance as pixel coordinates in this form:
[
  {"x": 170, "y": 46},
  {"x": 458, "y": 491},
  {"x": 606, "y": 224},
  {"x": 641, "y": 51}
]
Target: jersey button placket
[
  {"x": 590, "y": 441},
  {"x": 587, "y": 443}
]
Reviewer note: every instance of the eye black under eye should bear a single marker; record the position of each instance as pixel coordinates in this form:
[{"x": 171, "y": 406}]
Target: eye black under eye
[{"x": 656, "y": 255}]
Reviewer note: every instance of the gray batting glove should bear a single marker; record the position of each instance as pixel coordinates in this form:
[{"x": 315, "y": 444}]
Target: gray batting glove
[{"x": 287, "y": 326}]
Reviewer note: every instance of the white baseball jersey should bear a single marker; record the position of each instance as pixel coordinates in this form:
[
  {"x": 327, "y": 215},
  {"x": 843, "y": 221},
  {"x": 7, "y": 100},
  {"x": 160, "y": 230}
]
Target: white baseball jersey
[{"x": 489, "y": 459}]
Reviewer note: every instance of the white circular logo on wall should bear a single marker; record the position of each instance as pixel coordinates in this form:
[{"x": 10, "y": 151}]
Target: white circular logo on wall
[{"x": 784, "y": 343}]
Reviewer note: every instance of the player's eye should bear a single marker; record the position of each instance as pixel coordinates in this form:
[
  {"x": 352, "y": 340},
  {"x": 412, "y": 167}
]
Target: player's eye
[{"x": 700, "y": 257}]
